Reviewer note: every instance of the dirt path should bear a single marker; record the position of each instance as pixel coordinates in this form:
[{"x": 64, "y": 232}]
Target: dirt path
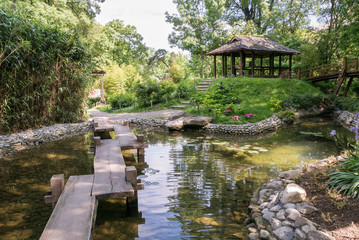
[{"x": 97, "y": 115}]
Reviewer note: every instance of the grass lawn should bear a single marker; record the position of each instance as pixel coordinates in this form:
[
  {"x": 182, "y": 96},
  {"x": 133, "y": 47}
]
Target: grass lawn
[
  {"x": 263, "y": 96},
  {"x": 260, "y": 96}
]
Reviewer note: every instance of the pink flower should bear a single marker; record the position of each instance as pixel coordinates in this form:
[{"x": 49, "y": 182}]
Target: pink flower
[{"x": 140, "y": 89}]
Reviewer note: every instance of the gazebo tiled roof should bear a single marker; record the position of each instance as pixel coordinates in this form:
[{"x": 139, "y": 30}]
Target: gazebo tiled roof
[{"x": 257, "y": 44}]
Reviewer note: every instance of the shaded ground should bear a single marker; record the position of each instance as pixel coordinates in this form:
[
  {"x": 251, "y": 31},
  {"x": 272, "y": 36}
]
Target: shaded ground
[{"x": 338, "y": 215}]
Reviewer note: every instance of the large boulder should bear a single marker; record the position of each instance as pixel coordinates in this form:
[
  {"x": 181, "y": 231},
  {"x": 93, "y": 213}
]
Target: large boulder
[
  {"x": 196, "y": 121},
  {"x": 176, "y": 115},
  {"x": 290, "y": 175},
  {"x": 293, "y": 193},
  {"x": 175, "y": 124}
]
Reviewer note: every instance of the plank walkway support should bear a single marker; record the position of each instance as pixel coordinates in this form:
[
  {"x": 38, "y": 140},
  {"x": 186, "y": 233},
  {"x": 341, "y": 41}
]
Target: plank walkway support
[
  {"x": 348, "y": 86},
  {"x": 57, "y": 183},
  {"x": 131, "y": 177}
]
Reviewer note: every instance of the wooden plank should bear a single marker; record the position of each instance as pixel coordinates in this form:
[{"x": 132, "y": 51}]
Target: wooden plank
[
  {"x": 127, "y": 139},
  {"x": 75, "y": 211},
  {"x": 109, "y": 168}
]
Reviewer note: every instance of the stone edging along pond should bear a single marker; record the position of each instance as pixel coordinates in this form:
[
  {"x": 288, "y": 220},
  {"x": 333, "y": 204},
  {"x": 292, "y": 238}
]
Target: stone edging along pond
[
  {"x": 18, "y": 141},
  {"x": 278, "y": 208}
]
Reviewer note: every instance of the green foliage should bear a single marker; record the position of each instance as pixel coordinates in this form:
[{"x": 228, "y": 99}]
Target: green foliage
[
  {"x": 152, "y": 91},
  {"x": 176, "y": 72},
  {"x": 275, "y": 103},
  {"x": 185, "y": 89},
  {"x": 255, "y": 93},
  {"x": 302, "y": 101},
  {"x": 125, "y": 100},
  {"x": 346, "y": 179},
  {"x": 287, "y": 116},
  {"x": 44, "y": 73},
  {"x": 91, "y": 101},
  {"x": 345, "y": 103}
]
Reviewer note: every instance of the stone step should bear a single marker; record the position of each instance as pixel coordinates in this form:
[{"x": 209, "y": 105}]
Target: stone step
[
  {"x": 185, "y": 102},
  {"x": 179, "y": 107}
]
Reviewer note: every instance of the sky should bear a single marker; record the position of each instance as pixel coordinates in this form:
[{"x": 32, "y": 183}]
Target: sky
[{"x": 148, "y": 16}]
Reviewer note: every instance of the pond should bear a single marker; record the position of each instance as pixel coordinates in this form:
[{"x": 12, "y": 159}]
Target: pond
[{"x": 196, "y": 185}]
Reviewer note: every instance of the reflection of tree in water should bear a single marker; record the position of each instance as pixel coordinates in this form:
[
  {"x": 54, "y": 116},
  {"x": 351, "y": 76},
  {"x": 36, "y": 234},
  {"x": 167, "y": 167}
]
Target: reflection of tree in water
[{"x": 207, "y": 197}]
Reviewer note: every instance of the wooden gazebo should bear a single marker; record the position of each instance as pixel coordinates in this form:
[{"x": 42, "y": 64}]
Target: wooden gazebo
[{"x": 257, "y": 57}]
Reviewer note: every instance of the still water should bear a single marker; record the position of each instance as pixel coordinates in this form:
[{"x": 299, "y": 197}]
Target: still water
[{"x": 196, "y": 185}]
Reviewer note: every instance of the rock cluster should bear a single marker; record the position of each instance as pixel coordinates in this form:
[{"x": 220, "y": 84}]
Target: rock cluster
[
  {"x": 18, "y": 141},
  {"x": 347, "y": 119},
  {"x": 267, "y": 125},
  {"x": 278, "y": 210},
  {"x": 156, "y": 123}
]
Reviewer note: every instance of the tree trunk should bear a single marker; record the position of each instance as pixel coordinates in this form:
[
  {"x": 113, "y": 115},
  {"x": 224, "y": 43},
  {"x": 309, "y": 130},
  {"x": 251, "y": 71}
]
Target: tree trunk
[{"x": 202, "y": 58}]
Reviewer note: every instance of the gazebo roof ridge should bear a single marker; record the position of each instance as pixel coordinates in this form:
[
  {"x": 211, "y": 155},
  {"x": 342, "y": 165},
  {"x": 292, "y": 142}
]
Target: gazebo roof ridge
[{"x": 251, "y": 43}]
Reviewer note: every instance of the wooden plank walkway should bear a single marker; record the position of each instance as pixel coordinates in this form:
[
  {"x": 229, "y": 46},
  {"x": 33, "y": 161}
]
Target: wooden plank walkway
[
  {"x": 74, "y": 213},
  {"x": 109, "y": 168},
  {"x": 127, "y": 139}
]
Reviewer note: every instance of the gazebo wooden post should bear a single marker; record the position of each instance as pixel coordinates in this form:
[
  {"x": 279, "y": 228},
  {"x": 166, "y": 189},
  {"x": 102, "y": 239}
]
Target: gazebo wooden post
[
  {"x": 102, "y": 99},
  {"x": 253, "y": 63},
  {"x": 233, "y": 65},
  {"x": 262, "y": 70},
  {"x": 225, "y": 65},
  {"x": 223, "y": 62},
  {"x": 290, "y": 66},
  {"x": 271, "y": 65},
  {"x": 280, "y": 65},
  {"x": 214, "y": 66},
  {"x": 242, "y": 62}
]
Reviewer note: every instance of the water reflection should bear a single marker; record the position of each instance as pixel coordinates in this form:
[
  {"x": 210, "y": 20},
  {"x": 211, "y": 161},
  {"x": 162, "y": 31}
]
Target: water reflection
[
  {"x": 196, "y": 186},
  {"x": 199, "y": 186},
  {"x": 25, "y": 178}
]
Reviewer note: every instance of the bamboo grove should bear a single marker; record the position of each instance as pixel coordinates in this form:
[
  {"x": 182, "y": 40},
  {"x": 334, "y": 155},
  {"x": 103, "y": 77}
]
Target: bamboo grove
[{"x": 43, "y": 72}]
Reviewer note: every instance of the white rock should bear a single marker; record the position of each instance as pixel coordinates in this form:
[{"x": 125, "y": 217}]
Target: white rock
[
  {"x": 281, "y": 214},
  {"x": 276, "y": 208},
  {"x": 308, "y": 228},
  {"x": 284, "y": 233},
  {"x": 292, "y": 213},
  {"x": 263, "y": 234},
  {"x": 291, "y": 174},
  {"x": 318, "y": 235},
  {"x": 293, "y": 193},
  {"x": 300, "y": 235},
  {"x": 275, "y": 223}
]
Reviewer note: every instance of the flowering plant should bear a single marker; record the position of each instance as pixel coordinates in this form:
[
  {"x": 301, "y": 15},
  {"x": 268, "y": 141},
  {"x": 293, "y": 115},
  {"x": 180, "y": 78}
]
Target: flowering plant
[
  {"x": 235, "y": 118},
  {"x": 249, "y": 115},
  {"x": 227, "y": 112}
]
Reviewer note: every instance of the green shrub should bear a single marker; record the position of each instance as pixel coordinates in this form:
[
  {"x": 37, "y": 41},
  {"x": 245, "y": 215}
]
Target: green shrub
[
  {"x": 287, "y": 116},
  {"x": 91, "y": 101},
  {"x": 125, "y": 100},
  {"x": 153, "y": 91},
  {"x": 302, "y": 101},
  {"x": 185, "y": 89},
  {"x": 345, "y": 103}
]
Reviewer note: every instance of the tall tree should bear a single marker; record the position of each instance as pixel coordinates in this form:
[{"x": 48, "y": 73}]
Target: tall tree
[
  {"x": 198, "y": 27},
  {"x": 128, "y": 44}
]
